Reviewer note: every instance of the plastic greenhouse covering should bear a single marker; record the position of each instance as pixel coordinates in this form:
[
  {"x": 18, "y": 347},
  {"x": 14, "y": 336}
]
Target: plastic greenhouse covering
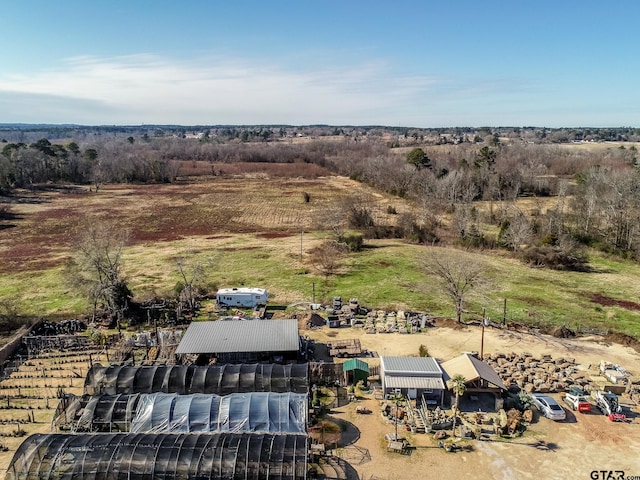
[
  {"x": 264, "y": 412},
  {"x": 131, "y": 456},
  {"x": 97, "y": 413},
  {"x": 239, "y": 412},
  {"x": 188, "y": 379}
]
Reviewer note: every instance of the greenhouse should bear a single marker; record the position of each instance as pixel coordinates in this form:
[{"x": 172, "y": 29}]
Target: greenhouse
[
  {"x": 97, "y": 413},
  {"x": 239, "y": 412},
  {"x": 188, "y": 379},
  {"x": 264, "y": 412},
  {"x": 137, "y": 456}
]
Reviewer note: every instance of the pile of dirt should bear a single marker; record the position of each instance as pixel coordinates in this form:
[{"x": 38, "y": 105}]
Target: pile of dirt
[
  {"x": 562, "y": 332},
  {"x": 449, "y": 323},
  {"x": 623, "y": 339},
  {"x": 315, "y": 320},
  {"x": 307, "y": 321}
]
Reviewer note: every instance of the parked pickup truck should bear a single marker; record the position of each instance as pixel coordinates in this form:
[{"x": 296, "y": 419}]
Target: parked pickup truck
[{"x": 577, "y": 400}]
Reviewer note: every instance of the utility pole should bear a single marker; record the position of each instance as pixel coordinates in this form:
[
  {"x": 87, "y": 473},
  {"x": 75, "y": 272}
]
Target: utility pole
[
  {"x": 301, "y": 233},
  {"x": 396, "y": 398},
  {"x": 484, "y": 320}
]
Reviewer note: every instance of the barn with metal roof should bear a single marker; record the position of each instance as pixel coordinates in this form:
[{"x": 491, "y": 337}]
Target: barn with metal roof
[
  {"x": 242, "y": 341},
  {"x": 414, "y": 377},
  {"x": 480, "y": 377}
]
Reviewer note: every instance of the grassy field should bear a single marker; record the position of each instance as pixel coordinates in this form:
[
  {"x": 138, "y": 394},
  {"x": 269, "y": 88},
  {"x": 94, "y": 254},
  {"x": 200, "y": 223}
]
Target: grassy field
[{"x": 259, "y": 232}]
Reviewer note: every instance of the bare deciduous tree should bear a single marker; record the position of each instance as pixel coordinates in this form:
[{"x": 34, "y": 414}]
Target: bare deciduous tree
[
  {"x": 457, "y": 273},
  {"x": 191, "y": 272},
  {"x": 334, "y": 220},
  {"x": 327, "y": 256},
  {"x": 518, "y": 233},
  {"x": 97, "y": 266}
]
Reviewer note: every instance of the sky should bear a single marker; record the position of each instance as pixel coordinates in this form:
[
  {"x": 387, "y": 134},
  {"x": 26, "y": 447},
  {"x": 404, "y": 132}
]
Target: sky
[{"x": 552, "y": 63}]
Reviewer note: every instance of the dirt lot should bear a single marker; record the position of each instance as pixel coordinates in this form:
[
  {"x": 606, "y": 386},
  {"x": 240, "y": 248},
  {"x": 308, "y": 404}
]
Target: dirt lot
[{"x": 569, "y": 449}]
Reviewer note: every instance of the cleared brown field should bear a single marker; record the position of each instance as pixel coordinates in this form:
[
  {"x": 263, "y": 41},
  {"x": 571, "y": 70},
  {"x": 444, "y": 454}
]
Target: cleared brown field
[{"x": 47, "y": 221}]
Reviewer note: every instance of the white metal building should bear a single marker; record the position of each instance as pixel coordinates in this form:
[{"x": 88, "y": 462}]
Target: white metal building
[{"x": 414, "y": 377}]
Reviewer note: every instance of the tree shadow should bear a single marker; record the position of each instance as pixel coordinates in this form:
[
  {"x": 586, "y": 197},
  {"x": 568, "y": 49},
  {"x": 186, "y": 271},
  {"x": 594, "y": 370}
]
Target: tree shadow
[
  {"x": 23, "y": 199},
  {"x": 601, "y": 270},
  {"x": 349, "y": 433},
  {"x": 543, "y": 446},
  {"x": 538, "y": 445},
  {"x": 8, "y": 216}
]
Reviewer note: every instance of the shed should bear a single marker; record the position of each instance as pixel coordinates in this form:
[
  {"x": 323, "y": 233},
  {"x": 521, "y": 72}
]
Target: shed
[
  {"x": 243, "y": 341},
  {"x": 241, "y": 297},
  {"x": 355, "y": 370},
  {"x": 414, "y": 377},
  {"x": 481, "y": 381},
  {"x": 480, "y": 377}
]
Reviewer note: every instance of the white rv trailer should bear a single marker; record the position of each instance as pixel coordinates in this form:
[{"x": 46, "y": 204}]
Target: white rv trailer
[{"x": 241, "y": 297}]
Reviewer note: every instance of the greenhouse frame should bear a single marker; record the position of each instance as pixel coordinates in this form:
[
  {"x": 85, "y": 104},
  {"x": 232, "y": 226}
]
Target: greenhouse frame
[
  {"x": 149, "y": 456},
  {"x": 96, "y": 413},
  {"x": 256, "y": 412},
  {"x": 188, "y": 379}
]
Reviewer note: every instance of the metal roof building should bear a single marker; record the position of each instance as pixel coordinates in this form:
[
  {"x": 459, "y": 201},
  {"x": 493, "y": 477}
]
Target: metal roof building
[
  {"x": 415, "y": 377},
  {"x": 355, "y": 370},
  {"x": 242, "y": 340},
  {"x": 479, "y": 375}
]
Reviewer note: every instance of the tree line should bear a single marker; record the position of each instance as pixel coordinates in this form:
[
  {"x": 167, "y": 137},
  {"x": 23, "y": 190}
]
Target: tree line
[{"x": 596, "y": 191}]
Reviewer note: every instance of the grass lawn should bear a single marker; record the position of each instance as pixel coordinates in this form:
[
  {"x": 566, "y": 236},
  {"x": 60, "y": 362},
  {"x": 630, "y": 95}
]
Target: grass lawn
[{"x": 261, "y": 246}]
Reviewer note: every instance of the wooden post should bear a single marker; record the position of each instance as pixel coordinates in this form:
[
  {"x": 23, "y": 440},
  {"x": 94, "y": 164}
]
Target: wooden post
[{"x": 504, "y": 313}]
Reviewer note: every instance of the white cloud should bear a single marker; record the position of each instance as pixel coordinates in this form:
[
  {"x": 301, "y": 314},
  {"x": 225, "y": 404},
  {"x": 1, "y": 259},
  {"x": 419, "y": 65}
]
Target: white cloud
[
  {"x": 144, "y": 88},
  {"x": 151, "y": 89}
]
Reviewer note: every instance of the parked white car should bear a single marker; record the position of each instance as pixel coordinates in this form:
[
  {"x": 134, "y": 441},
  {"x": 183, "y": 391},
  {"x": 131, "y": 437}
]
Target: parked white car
[{"x": 548, "y": 407}]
